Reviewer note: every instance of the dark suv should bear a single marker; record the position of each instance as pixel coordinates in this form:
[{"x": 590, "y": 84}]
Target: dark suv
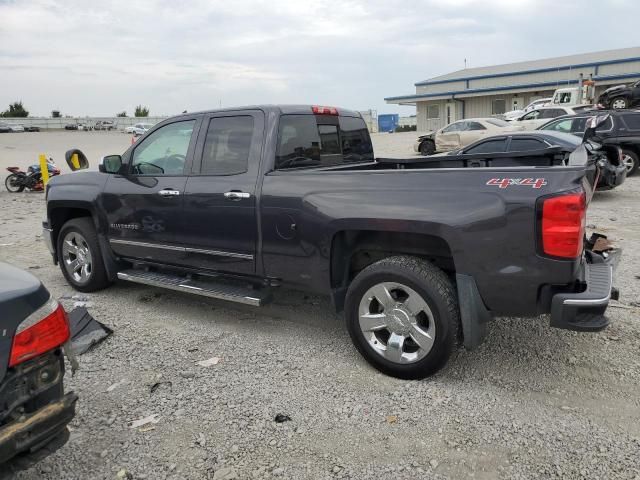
[
  {"x": 622, "y": 129},
  {"x": 621, "y": 96}
]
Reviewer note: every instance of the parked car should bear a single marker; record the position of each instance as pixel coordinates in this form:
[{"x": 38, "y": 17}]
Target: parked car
[
  {"x": 621, "y": 129},
  {"x": 4, "y": 127},
  {"x": 34, "y": 410},
  {"x": 31, "y": 128},
  {"x": 608, "y": 158},
  {"x": 461, "y": 133},
  {"x": 541, "y": 115},
  {"x": 104, "y": 125},
  {"x": 85, "y": 127},
  {"x": 292, "y": 197},
  {"x": 141, "y": 128},
  {"x": 512, "y": 115},
  {"x": 71, "y": 126},
  {"x": 129, "y": 129},
  {"x": 16, "y": 128},
  {"x": 621, "y": 96}
]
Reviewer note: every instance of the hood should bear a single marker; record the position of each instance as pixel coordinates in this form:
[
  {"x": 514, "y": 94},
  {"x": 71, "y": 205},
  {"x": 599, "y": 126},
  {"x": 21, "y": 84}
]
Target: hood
[
  {"x": 614, "y": 89},
  {"x": 428, "y": 134},
  {"x": 513, "y": 128},
  {"x": 512, "y": 115}
]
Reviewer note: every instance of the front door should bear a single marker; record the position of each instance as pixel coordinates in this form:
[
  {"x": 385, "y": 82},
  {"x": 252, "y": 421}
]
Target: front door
[
  {"x": 144, "y": 204},
  {"x": 220, "y": 224}
]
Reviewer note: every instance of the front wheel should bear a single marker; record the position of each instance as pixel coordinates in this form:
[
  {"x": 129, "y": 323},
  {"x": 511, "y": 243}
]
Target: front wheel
[
  {"x": 427, "y": 148},
  {"x": 630, "y": 161},
  {"x": 402, "y": 315},
  {"x": 80, "y": 257},
  {"x": 14, "y": 183},
  {"x": 619, "y": 103}
]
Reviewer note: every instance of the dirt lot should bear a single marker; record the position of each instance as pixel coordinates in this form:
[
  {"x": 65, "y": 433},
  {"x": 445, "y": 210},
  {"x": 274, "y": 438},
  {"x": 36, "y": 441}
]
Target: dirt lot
[{"x": 531, "y": 402}]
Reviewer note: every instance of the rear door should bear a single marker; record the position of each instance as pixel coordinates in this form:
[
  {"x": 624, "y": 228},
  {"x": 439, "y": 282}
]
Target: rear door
[
  {"x": 144, "y": 204},
  {"x": 219, "y": 223}
]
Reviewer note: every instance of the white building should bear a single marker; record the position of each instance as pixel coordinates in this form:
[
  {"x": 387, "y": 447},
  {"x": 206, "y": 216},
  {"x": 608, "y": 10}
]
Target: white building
[{"x": 486, "y": 91}]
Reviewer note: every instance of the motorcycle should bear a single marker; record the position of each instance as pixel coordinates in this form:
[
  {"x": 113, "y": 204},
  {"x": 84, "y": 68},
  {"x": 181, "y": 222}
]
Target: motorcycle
[{"x": 31, "y": 179}]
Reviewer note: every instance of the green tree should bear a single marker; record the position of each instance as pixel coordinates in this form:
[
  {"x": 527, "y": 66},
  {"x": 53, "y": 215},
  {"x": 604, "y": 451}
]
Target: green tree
[
  {"x": 16, "y": 109},
  {"x": 142, "y": 111},
  {"x": 121, "y": 114}
]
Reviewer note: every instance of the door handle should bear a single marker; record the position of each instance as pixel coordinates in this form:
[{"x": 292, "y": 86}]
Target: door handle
[
  {"x": 168, "y": 192},
  {"x": 235, "y": 195}
]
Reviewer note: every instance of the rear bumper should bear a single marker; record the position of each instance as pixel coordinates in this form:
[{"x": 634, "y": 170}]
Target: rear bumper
[
  {"x": 584, "y": 311},
  {"x": 37, "y": 429}
]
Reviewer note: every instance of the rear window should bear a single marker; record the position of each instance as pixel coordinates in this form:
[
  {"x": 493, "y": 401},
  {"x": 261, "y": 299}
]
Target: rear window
[
  {"x": 306, "y": 141},
  {"x": 632, "y": 121}
]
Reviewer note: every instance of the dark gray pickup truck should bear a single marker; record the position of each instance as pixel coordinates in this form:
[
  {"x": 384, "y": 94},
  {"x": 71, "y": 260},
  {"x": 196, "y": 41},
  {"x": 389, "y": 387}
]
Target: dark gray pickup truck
[{"x": 418, "y": 253}]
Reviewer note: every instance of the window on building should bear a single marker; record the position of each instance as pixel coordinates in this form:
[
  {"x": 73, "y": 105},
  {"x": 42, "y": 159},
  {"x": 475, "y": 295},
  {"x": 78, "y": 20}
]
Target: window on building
[
  {"x": 498, "y": 106},
  {"x": 227, "y": 145},
  {"x": 433, "y": 111}
]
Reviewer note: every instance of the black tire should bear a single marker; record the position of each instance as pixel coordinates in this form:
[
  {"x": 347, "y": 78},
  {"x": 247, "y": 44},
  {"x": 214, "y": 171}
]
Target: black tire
[
  {"x": 634, "y": 157},
  {"x": 11, "y": 188},
  {"x": 435, "y": 288},
  {"x": 97, "y": 280},
  {"x": 427, "y": 147}
]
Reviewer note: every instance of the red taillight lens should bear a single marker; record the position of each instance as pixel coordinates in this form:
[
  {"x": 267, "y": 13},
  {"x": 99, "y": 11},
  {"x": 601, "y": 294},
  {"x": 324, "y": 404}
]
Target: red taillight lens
[
  {"x": 43, "y": 330},
  {"x": 318, "y": 110},
  {"x": 563, "y": 220}
]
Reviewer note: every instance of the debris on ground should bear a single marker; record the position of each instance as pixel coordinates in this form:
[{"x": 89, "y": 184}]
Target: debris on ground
[
  {"x": 391, "y": 418},
  {"x": 156, "y": 385},
  {"x": 281, "y": 418},
  {"x": 155, "y": 418},
  {"x": 86, "y": 331},
  {"x": 113, "y": 386},
  {"x": 209, "y": 362}
]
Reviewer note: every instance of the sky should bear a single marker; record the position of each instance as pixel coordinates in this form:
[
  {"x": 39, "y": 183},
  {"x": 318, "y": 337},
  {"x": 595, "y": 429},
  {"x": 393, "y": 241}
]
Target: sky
[{"x": 99, "y": 58}]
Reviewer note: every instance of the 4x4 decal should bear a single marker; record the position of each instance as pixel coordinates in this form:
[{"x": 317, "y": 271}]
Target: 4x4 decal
[{"x": 507, "y": 182}]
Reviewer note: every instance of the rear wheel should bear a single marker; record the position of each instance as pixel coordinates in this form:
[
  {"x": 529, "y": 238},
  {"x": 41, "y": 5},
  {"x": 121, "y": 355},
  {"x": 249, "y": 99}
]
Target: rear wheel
[
  {"x": 619, "y": 103},
  {"x": 402, "y": 315},
  {"x": 427, "y": 148},
  {"x": 14, "y": 183},
  {"x": 80, "y": 257},
  {"x": 630, "y": 161}
]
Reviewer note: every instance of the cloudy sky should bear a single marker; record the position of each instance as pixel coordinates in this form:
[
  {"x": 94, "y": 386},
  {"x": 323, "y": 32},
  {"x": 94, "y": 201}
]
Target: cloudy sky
[{"x": 99, "y": 58}]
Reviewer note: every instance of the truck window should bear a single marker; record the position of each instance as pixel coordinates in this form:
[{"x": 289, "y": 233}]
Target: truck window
[
  {"x": 227, "y": 145},
  {"x": 164, "y": 151},
  {"x": 321, "y": 141}
]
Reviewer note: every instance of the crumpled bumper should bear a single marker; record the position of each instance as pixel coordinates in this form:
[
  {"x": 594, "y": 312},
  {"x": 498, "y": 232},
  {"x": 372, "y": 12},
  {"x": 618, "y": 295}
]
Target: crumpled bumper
[
  {"x": 37, "y": 429},
  {"x": 584, "y": 311}
]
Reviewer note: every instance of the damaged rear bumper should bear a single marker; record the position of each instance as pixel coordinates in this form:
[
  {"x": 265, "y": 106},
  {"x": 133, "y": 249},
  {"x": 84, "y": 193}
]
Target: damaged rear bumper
[
  {"x": 584, "y": 311},
  {"x": 37, "y": 429}
]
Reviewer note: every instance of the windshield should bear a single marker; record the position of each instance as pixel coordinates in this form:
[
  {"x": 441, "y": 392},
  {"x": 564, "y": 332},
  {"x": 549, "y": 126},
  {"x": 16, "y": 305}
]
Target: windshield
[{"x": 498, "y": 123}]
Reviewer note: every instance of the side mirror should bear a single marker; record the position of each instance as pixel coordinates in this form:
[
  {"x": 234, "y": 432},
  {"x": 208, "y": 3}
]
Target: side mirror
[
  {"x": 76, "y": 159},
  {"x": 110, "y": 164}
]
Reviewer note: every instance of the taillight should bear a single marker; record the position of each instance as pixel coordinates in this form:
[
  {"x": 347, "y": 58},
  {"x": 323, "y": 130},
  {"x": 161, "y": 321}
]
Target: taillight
[
  {"x": 563, "y": 222},
  {"x": 318, "y": 110},
  {"x": 43, "y": 330}
]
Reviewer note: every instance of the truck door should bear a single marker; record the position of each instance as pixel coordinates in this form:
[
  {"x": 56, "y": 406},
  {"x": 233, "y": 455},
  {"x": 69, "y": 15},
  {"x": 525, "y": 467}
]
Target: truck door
[
  {"x": 143, "y": 206},
  {"x": 219, "y": 222}
]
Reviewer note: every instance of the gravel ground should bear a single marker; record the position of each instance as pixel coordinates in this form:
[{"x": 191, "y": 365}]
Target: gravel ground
[{"x": 531, "y": 402}]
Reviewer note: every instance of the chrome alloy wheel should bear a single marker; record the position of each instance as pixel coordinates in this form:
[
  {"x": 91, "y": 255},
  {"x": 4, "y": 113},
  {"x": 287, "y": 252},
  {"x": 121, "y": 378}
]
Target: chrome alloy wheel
[
  {"x": 76, "y": 256},
  {"x": 619, "y": 103},
  {"x": 397, "y": 322},
  {"x": 628, "y": 162}
]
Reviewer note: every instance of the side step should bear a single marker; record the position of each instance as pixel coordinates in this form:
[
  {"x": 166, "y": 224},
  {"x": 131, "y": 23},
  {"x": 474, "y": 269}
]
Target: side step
[{"x": 223, "y": 291}]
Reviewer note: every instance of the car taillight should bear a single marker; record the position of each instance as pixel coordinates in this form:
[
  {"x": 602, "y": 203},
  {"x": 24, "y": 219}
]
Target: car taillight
[
  {"x": 318, "y": 110},
  {"x": 563, "y": 222},
  {"x": 42, "y": 331}
]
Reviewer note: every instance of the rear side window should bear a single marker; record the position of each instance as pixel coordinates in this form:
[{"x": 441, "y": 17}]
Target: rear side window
[
  {"x": 227, "y": 146},
  {"x": 632, "y": 121},
  {"x": 475, "y": 126},
  {"x": 525, "y": 144},
  {"x": 321, "y": 141},
  {"x": 490, "y": 146}
]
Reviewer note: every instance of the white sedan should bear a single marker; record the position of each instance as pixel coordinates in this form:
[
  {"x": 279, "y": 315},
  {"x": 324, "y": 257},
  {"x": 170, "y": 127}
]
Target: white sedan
[
  {"x": 461, "y": 133},
  {"x": 15, "y": 128},
  {"x": 541, "y": 115},
  {"x": 141, "y": 128}
]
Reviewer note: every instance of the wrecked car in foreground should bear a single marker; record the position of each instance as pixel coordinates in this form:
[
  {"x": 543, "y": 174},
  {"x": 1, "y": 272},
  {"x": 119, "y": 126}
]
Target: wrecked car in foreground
[{"x": 34, "y": 410}]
